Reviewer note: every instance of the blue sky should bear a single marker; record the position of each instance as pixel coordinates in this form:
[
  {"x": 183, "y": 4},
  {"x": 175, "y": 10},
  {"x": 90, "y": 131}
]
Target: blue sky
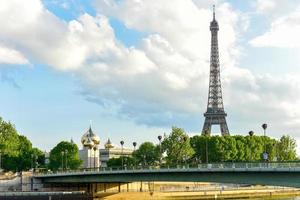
[{"x": 137, "y": 68}]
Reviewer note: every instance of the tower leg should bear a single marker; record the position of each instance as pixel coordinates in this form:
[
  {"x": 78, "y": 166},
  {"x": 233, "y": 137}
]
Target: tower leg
[
  {"x": 207, "y": 126},
  {"x": 223, "y": 126}
]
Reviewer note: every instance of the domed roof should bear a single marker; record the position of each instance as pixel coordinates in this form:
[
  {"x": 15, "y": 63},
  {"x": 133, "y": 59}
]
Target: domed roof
[
  {"x": 90, "y": 135},
  {"x": 108, "y": 144},
  {"x": 88, "y": 143}
]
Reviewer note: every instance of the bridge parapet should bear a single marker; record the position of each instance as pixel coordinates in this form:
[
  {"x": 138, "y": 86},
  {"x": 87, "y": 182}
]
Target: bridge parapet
[{"x": 213, "y": 167}]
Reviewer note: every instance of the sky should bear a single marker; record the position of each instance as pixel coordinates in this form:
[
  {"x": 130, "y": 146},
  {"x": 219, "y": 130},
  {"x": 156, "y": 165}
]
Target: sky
[{"x": 135, "y": 68}]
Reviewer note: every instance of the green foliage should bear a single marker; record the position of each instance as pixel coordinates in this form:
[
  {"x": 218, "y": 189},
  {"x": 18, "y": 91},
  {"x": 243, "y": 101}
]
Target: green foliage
[
  {"x": 239, "y": 148},
  {"x": 8, "y": 139},
  {"x": 286, "y": 148},
  {"x": 114, "y": 162},
  {"x": 177, "y": 147},
  {"x": 117, "y": 162},
  {"x": 64, "y": 154},
  {"x": 147, "y": 154},
  {"x": 16, "y": 150}
]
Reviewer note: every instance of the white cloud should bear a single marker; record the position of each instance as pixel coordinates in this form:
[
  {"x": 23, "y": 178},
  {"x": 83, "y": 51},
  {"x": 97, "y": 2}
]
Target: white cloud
[
  {"x": 264, "y": 6},
  {"x": 11, "y": 56},
  {"x": 275, "y": 8},
  {"x": 284, "y": 33}
]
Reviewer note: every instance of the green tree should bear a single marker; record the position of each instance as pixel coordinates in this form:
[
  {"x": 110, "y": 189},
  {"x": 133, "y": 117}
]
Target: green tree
[
  {"x": 117, "y": 162},
  {"x": 114, "y": 162},
  {"x": 177, "y": 147},
  {"x": 237, "y": 148},
  {"x": 64, "y": 153},
  {"x": 147, "y": 154},
  {"x": 8, "y": 139},
  {"x": 286, "y": 148},
  {"x": 198, "y": 144},
  {"x": 16, "y": 150}
]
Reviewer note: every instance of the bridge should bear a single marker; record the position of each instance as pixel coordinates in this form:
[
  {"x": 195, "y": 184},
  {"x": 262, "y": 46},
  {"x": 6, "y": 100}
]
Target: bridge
[{"x": 277, "y": 174}]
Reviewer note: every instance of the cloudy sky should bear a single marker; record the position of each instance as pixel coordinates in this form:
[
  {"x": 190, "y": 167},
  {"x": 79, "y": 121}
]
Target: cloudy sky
[{"x": 135, "y": 68}]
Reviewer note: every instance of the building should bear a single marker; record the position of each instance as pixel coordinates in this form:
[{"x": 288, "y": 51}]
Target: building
[
  {"x": 89, "y": 154},
  {"x": 110, "y": 151},
  {"x": 215, "y": 113}
]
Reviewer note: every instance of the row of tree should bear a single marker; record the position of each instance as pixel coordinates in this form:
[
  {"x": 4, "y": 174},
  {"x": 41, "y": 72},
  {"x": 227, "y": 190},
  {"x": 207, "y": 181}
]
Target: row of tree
[
  {"x": 17, "y": 153},
  {"x": 178, "y": 148}
]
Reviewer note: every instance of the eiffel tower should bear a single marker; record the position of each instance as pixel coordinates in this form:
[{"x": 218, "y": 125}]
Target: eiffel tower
[{"x": 215, "y": 113}]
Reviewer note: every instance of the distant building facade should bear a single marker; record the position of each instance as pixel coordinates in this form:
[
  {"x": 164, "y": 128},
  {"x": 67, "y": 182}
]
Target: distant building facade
[
  {"x": 93, "y": 157},
  {"x": 89, "y": 154},
  {"x": 110, "y": 151}
]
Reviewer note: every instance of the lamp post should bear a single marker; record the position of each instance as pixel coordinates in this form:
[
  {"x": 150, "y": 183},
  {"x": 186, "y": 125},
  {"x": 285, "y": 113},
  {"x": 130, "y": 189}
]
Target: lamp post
[
  {"x": 144, "y": 156},
  {"x": 160, "y": 156},
  {"x": 66, "y": 154},
  {"x": 122, "y": 143},
  {"x": 265, "y": 155},
  {"x": 32, "y": 161},
  {"x": 35, "y": 161},
  {"x": 134, "y": 145},
  {"x": 90, "y": 157},
  {"x": 206, "y": 134},
  {"x": 62, "y": 160},
  {"x": 275, "y": 147},
  {"x": 184, "y": 139},
  {"x": 251, "y": 133},
  {"x": 95, "y": 149},
  {"x": 194, "y": 146},
  {"x": 0, "y": 160}
]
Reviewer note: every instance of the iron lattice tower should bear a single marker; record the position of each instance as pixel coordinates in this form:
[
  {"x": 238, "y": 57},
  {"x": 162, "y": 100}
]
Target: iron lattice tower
[{"x": 215, "y": 113}]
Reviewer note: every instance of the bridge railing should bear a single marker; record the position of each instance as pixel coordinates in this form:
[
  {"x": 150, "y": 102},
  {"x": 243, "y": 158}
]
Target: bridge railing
[{"x": 210, "y": 166}]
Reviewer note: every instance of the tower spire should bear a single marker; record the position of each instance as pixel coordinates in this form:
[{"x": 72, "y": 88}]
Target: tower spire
[
  {"x": 214, "y": 12},
  {"x": 90, "y": 123},
  {"x": 215, "y": 113}
]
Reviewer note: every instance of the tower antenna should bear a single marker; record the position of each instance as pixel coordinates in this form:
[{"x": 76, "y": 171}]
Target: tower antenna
[{"x": 214, "y": 11}]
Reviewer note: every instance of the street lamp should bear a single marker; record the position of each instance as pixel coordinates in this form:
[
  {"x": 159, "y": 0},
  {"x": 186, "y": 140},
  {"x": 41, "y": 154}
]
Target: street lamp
[
  {"x": 62, "y": 160},
  {"x": 194, "y": 146},
  {"x": 160, "y": 156},
  {"x": 184, "y": 139},
  {"x": 265, "y": 155},
  {"x": 251, "y": 133},
  {"x": 206, "y": 134},
  {"x": 35, "y": 161},
  {"x": 144, "y": 156},
  {"x": 66, "y": 154},
  {"x": 122, "y": 143},
  {"x": 90, "y": 157},
  {"x": 0, "y": 160},
  {"x": 95, "y": 149},
  {"x": 134, "y": 145},
  {"x": 32, "y": 161}
]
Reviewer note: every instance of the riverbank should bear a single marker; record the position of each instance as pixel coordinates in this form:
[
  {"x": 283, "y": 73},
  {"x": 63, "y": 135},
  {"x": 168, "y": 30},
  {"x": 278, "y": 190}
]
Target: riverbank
[{"x": 212, "y": 194}]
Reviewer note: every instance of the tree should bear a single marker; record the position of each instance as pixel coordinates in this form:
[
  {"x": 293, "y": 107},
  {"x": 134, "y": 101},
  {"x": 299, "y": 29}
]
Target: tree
[
  {"x": 8, "y": 139},
  {"x": 286, "y": 148},
  {"x": 147, "y": 154},
  {"x": 242, "y": 148},
  {"x": 117, "y": 162},
  {"x": 64, "y": 153},
  {"x": 177, "y": 147},
  {"x": 16, "y": 150},
  {"x": 114, "y": 162}
]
